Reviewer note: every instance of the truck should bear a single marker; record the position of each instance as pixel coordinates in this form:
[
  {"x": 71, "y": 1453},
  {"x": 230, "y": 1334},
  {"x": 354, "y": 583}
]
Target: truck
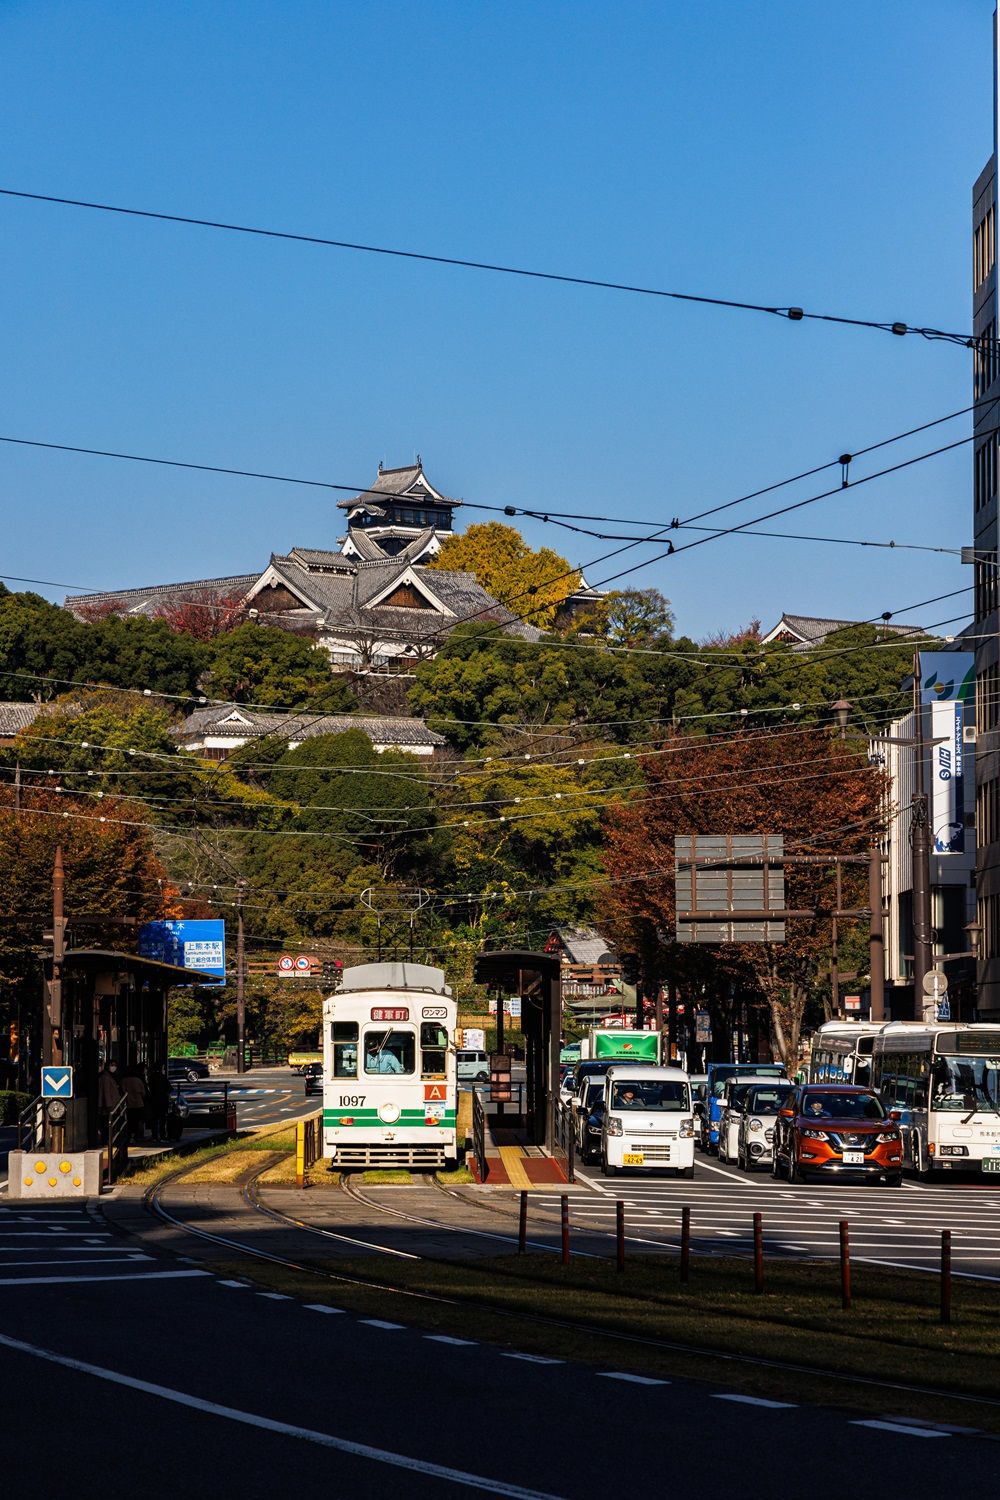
[{"x": 606, "y": 1042}]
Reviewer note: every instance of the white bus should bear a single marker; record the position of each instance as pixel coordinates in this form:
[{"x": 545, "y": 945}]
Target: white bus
[
  {"x": 389, "y": 1086},
  {"x": 942, "y": 1082},
  {"x": 842, "y": 1052}
]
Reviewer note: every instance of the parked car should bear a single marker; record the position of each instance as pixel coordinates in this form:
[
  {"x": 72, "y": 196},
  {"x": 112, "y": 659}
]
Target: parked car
[
  {"x": 756, "y": 1138},
  {"x": 313, "y": 1075},
  {"x": 186, "y": 1069},
  {"x": 836, "y": 1130},
  {"x": 472, "y": 1066},
  {"x": 731, "y": 1116}
]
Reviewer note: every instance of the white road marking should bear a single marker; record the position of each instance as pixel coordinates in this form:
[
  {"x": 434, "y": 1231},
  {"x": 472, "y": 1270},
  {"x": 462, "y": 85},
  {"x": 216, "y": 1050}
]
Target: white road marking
[
  {"x": 64, "y": 1280},
  {"x": 925, "y": 1432},
  {"x": 757, "y": 1401},
  {"x": 243, "y": 1285},
  {"x": 634, "y": 1379},
  {"x": 532, "y": 1359},
  {"x": 322, "y": 1307},
  {"x": 380, "y": 1323},
  {"x": 124, "y": 1259},
  {"x": 285, "y": 1429},
  {"x": 276, "y": 1296},
  {"x": 446, "y": 1338}
]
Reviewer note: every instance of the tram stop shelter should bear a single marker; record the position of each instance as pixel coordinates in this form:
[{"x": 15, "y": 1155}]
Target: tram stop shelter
[
  {"x": 114, "y": 1007},
  {"x": 535, "y": 977}
]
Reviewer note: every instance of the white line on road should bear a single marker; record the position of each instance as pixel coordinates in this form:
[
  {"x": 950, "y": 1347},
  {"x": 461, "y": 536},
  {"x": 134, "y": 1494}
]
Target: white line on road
[
  {"x": 532, "y": 1359},
  {"x": 446, "y": 1338},
  {"x": 634, "y": 1379},
  {"x": 64, "y": 1280},
  {"x": 243, "y": 1285},
  {"x": 285, "y": 1429},
  {"x": 900, "y": 1427},
  {"x": 322, "y": 1307},
  {"x": 756, "y": 1401},
  {"x": 380, "y": 1323},
  {"x": 276, "y": 1296}
]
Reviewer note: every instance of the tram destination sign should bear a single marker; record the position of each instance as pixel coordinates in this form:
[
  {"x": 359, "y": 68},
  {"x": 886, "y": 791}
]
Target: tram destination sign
[{"x": 390, "y": 1013}]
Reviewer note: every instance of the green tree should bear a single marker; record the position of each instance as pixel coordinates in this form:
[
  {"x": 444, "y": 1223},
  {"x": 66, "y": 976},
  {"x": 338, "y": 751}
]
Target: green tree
[
  {"x": 532, "y": 584},
  {"x": 264, "y": 665},
  {"x": 626, "y": 617}
]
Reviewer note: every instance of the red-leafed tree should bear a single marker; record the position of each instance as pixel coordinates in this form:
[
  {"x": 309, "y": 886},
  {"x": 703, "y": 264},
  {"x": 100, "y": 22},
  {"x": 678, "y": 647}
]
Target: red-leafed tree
[
  {"x": 819, "y": 792},
  {"x": 204, "y": 615}
]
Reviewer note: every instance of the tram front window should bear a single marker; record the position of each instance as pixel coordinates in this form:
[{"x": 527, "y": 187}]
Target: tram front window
[
  {"x": 345, "y": 1049},
  {"x": 390, "y": 1052},
  {"x": 433, "y": 1049}
]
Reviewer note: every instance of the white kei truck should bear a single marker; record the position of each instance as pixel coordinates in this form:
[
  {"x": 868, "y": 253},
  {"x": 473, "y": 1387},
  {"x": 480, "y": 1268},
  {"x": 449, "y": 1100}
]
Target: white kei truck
[{"x": 648, "y": 1120}]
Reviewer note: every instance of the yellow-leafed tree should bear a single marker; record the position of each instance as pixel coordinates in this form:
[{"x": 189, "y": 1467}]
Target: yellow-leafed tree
[{"x": 533, "y": 584}]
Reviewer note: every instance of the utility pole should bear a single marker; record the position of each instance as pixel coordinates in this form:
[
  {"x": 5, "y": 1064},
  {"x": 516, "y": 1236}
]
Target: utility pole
[
  {"x": 876, "y": 936},
  {"x": 241, "y": 1002},
  {"x": 52, "y": 1043},
  {"x": 923, "y": 958}
]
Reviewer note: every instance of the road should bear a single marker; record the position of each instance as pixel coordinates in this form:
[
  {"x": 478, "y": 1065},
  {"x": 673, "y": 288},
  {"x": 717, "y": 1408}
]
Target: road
[
  {"x": 127, "y": 1371},
  {"x": 893, "y": 1226}
]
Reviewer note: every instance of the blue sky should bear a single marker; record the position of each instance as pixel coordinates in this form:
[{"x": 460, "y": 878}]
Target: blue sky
[{"x": 787, "y": 153}]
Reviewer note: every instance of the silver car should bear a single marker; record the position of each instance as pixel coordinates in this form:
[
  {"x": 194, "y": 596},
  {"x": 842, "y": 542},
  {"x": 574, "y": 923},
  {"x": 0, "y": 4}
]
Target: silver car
[{"x": 756, "y": 1137}]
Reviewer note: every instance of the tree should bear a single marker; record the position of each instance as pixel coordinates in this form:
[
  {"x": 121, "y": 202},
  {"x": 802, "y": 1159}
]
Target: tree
[
  {"x": 204, "y": 615},
  {"x": 818, "y": 791},
  {"x": 262, "y": 664},
  {"x": 626, "y": 617},
  {"x": 532, "y": 584}
]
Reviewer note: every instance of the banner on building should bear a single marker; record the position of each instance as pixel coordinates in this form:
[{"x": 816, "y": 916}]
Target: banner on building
[{"x": 947, "y": 810}]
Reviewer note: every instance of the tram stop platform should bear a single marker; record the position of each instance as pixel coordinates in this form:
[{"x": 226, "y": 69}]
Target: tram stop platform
[{"x": 509, "y": 1161}]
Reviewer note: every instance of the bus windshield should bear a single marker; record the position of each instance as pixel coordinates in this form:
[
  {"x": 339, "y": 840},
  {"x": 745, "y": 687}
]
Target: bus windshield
[
  {"x": 965, "y": 1083},
  {"x": 649, "y": 1095}
]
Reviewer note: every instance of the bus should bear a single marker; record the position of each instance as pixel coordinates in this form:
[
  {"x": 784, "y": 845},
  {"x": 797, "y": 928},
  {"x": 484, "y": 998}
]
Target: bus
[
  {"x": 941, "y": 1081},
  {"x": 842, "y": 1052},
  {"x": 389, "y": 1077}
]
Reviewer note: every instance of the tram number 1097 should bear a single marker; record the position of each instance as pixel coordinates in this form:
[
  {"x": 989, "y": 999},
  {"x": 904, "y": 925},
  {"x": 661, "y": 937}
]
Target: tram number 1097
[{"x": 352, "y": 1101}]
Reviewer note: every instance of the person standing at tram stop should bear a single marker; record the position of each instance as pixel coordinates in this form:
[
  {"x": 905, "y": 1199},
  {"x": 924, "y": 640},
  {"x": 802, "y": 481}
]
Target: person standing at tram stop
[
  {"x": 158, "y": 1103},
  {"x": 135, "y": 1093},
  {"x": 109, "y": 1091}
]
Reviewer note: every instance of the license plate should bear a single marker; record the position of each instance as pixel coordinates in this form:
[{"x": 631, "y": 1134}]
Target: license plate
[
  {"x": 991, "y": 1163},
  {"x": 632, "y": 1158},
  {"x": 854, "y": 1158}
]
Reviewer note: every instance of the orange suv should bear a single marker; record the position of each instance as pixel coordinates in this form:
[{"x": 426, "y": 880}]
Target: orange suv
[{"x": 836, "y": 1130}]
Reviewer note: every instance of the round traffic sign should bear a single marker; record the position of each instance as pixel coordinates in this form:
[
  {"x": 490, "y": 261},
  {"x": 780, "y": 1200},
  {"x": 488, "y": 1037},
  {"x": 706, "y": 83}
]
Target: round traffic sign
[
  {"x": 935, "y": 983},
  {"x": 303, "y": 963},
  {"x": 286, "y": 963}
]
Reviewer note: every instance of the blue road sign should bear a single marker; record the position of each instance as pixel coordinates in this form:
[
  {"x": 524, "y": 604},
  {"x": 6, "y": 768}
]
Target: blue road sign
[
  {"x": 188, "y": 944},
  {"x": 57, "y": 1083}
]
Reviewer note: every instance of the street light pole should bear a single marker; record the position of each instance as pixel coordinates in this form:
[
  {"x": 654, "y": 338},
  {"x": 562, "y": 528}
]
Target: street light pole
[
  {"x": 920, "y": 847},
  {"x": 241, "y": 1004}
]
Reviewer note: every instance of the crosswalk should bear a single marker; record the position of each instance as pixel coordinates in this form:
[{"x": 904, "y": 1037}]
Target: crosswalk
[
  {"x": 55, "y": 1244},
  {"x": 900, "y": 1226}
]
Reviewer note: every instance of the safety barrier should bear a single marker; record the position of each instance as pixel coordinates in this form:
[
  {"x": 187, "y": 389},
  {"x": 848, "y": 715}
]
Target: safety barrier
[
  {"x": 31, "y": 1126},
  {"x": 479, "y": 1134},
  {"x": 117, "y": 1141},
  {"x": 308, "y": 1145},
  {"x": 564, "y": 1137}
]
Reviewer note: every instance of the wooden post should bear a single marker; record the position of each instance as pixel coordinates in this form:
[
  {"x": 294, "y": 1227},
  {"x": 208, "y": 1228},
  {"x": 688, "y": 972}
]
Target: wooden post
[
  {"x": 564, "y": 1217},
  {"x": 620, "y": 1233},
  {"x": 758, "y": 1253},
  {"x": 845, "y": 1266},
  {"x": 946, "y": 1276},
  {"x": 685, "y": 1242}
]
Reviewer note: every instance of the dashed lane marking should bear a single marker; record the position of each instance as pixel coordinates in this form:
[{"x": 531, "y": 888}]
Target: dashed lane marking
[
  {"x": 446, "y": 1338},
  {"x": 275, "y": 1296},
  {"x": 903, "y": 1427},
  {"x": 380, "y": 1323},
  {"x": 322, "y": 1307},
  {"x": 632, "y": 1379},
  {"x": 136, "y": 1276},
  {"x": 532, "y": 1359},
  {"x": 755, "y": 1401},
  {"x": 243, "y": 1286},
  {"x": 489, "y": 1486}
]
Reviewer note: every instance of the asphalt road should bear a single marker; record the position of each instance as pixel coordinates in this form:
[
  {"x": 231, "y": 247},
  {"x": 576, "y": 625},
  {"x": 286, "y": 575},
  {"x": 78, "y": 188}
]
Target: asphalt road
[
  {"x": 155, "y": 1378},
  {"x": 893, "y": 1226}
]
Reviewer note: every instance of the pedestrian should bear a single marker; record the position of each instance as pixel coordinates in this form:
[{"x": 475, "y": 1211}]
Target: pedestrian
[
  {"x": 158, "y": 1095},
  {"x": 109, "y": 1092},
  {"x": 135, "y": 1094}
]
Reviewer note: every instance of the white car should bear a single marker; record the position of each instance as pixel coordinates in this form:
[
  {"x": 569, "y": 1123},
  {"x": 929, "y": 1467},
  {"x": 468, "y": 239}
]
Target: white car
[
  {"x": 648, "y": 1121},
  {"x": 756, "y": 1140},
  {"x": 733, "y": 1106}
]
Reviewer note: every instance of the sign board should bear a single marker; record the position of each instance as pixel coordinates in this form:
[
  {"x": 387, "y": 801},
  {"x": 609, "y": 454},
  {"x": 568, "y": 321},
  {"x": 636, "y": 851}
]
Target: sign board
[
  {"x": 935, "y": 983},
  {"x": 947, "y": 809},
  {"x": 944, "y": 1009},
  {"x": 188, "y": 945},
  {"x": 852, "y": 1002},
  {"x": 514, "y": 1007},
  {"x": 57, "y": 1083},
  {"x": 390, "y": 1013},
  {"x": 474, "y": 1038},
  {"x": 631, "y": 1046},
  {"x": 702, "y": 1026},
  {"x": 725, "y": 874}
]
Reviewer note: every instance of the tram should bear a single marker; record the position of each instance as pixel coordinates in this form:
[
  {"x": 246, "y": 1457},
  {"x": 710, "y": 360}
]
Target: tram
[
  {"x": 389, "y": 1084},
  {"x": 842, "y": 1052}
]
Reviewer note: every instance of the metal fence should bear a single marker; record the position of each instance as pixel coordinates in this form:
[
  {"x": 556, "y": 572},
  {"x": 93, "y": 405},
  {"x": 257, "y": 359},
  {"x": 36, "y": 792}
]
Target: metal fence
[
  {"x": 31, "y": 1126},
  {"x": 479, "y": 1133},
  {"x": 564, "y": 1136},
  {"x": 117, "y": 1141},
  {"x": 308, "y": 1145}
]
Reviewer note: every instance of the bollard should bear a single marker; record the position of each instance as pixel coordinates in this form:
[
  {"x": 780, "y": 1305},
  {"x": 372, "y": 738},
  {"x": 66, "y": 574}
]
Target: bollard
[
  {"x": 685, "y": 1242},
  {"x": 620, "y": 1232},
  {"x": 845, "y": 1266},
  {"x": 564, "y": 1216},
  {"x": 300, "y": 1154},
  {"x": 758, "y": 1253},
  {"x": 522, "y": 1225},
  {"x": 946, "y": 1276}
]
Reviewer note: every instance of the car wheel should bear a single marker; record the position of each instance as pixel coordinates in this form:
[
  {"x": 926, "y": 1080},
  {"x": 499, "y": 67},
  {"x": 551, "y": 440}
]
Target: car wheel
[
  {"x": 482, "y": 1078},
  {"x": 606, "y": 1168},
  {"x": 191, "y": 1076},
  {"x": 686, "y": 1171},
  {"x": 795, "y": 1172},
  {"x": 776, "y": 1172},
  {"x": 742, "y": 1161},
  {"x": 896, "y": 1180}
]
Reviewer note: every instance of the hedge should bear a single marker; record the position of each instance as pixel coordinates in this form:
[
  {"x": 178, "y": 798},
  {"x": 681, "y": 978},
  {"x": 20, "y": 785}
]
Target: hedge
[{"x": 11, "y": 1105}]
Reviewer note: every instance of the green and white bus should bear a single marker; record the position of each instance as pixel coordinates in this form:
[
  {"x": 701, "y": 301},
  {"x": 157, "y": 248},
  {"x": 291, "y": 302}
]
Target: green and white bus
[
  {"x": 941, "y": 1082},
  {"x": 389, "y": 1086}
]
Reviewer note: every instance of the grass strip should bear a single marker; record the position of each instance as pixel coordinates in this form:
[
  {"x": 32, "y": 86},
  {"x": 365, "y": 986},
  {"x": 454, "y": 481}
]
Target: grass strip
[
  {"x": 387, "y": 1176},
  {"x": 891, "y": 1334},
  {"x": 154, "y": 1169}
]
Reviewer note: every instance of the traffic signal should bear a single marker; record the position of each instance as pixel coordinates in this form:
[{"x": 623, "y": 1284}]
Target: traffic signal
[{"x": 332, "y": 968}]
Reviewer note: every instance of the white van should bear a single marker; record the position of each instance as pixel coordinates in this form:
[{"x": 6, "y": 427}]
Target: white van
[
  {"x": 472, "y": 1066},
  {"x": 648, "y": 1120}
]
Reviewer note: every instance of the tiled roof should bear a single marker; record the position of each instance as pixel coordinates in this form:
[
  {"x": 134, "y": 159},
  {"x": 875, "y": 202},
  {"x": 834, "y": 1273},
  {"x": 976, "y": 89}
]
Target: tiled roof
[
  {"x": 812, "y": 630},
  {"x": 17, "y": 716},
  {"x": 240, "y": 722},
  {"x": 409, "y": 482},
  {"x": 584, "y": 945},
  {"x": 147, "y": 601}
]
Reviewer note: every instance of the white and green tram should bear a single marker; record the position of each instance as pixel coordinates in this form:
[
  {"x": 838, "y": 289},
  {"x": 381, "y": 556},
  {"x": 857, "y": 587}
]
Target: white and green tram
[
  {"x": 941, "y": 1082},
  {"x": 389, "y": 1086}
]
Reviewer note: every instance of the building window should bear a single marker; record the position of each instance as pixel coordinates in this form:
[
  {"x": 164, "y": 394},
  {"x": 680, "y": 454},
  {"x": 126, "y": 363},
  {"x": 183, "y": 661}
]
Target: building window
[
  {"x": 986, "y": 362},
  {"x": 987, "y": 686},
  {"x": 984, "y": 248},
  {"x": 986, "y": 588},
  {"x": 988, "y": 813},
  {"x": 989, "y": 918},
  {"x": 985, "y": 472}
]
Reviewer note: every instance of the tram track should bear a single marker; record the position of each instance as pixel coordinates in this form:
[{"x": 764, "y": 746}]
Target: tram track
[{"x": 153, "y": 1203}]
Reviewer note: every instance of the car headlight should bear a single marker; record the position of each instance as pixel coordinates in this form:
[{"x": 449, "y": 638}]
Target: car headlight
[
  {"x": 614, "y": 1126},
  {"x": 756, "y": 1124},
  {"x": 686, "y": 1129},
  {"x": 887, "y": 1136},
  {"x": 814, "y": 1135}
]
